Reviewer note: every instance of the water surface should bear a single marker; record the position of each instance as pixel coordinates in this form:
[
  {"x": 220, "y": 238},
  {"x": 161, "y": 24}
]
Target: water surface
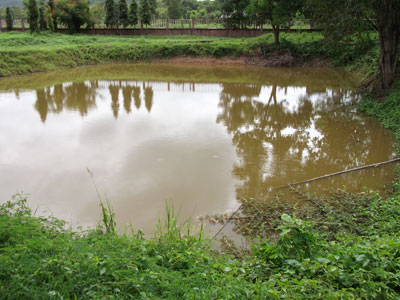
[{"x": 204, "y": 137}]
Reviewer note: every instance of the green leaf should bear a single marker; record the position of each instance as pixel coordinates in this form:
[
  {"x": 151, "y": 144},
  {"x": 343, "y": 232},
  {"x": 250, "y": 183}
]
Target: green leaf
[
  {"x": 227, "y": 269},
  {"x": 293, "y": 262},
  {"x": 286, "y": 218},
  {"x": 323, "y": 260}
]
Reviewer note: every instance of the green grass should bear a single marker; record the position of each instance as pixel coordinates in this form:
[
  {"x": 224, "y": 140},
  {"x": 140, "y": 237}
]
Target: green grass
[
  {"x": 22, "y": 53},
  {"x": 386, "y": 111},
  {"x": 40, "y": 259}
]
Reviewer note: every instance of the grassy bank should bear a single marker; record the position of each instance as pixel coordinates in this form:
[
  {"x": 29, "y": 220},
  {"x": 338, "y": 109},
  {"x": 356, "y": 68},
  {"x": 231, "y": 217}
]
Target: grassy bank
[{"x": 22, "y": 53}]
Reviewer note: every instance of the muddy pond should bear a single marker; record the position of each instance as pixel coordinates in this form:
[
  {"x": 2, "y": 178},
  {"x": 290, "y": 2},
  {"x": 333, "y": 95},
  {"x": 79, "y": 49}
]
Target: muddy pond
[{"x": 203, "y": 137}]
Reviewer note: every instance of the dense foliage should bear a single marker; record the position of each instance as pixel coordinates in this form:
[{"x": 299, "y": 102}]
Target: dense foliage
[
  {"x": 123, "y": 13},
  {"x": 145, "y": 12},
  {"x": 133, "y": 13},
  {"x": 9, "y": 19},
  {"x": 17, "y": 12},
  {"x": 73, "y": 13},
  {"x": 387, "y": 111},
  {"x": 110, "y": 19},
  {"x": 33, "y": 16},
  {"x": 279, "y": 13},
  {"x": 43, "y": 8},
  {"x": 174, "y": 9},
  {"x": 344, "y": 19}
]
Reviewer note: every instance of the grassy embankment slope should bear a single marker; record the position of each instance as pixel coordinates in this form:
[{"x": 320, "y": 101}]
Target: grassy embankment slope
[
  {"x": 351, "y": 251},
  {"x": 22, "y": 53}
]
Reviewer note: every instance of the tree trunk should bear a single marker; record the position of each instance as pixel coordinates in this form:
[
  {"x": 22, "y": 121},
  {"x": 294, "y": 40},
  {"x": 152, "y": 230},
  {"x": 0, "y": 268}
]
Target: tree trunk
[
  {"x": 389, "y": 35},
  {"x": 276, "y": 34}
]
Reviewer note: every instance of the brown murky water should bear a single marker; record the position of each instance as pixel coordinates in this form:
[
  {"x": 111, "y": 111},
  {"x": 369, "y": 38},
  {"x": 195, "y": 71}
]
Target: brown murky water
[{"x": 203, "y": 137}]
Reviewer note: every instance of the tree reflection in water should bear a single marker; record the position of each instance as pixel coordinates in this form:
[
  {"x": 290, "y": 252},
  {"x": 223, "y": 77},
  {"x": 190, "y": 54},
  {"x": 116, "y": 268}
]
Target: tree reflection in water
[
  {"x": 127, "y": 94},
  {"x": 148, "y": 98},
  {"x": 77, "y": 96},
  {"x": 82, "y": 96},
  {"x": 283, "y": 139},
  {"x": 282, "y": 133}
]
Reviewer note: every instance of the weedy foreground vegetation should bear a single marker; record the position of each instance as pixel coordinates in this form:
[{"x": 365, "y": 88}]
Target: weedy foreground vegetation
[{"x": 40, "y": 259}]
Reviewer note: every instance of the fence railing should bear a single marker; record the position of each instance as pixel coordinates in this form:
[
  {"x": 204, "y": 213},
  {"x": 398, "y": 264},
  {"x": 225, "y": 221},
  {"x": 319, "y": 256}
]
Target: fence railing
[{"x": 300, "y": 24}]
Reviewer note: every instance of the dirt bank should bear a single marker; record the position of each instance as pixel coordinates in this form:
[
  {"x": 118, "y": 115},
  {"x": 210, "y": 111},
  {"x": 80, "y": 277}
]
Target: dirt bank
[{"x": 277, "y": 59}]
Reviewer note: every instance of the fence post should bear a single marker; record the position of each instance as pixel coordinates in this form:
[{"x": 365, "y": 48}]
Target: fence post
[{"x": 167, "y": 23}]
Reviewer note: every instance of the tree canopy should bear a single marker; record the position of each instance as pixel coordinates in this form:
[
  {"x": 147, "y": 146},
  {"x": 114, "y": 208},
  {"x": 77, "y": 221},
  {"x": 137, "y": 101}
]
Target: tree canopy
[
  {"x": 9, "y": 19},
  {"x": 73, "y": 13},
  {"x": 133, "y": 13},
  {"x": 110, "y": 19},
  {"x": 123, "y": 13},
  {"x": 145, "y": 12},
  {"x": 276, "y": 12},
  {"x": 33, "y": 15}
]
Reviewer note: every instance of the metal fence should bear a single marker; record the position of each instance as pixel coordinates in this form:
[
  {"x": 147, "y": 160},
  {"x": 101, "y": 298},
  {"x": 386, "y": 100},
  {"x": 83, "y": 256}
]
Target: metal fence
[{"x": 301, "y": 24}]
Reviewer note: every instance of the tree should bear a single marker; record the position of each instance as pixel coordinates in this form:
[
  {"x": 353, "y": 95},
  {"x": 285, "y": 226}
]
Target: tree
[
  {"x": 33, "y": 16},
  {"x": 153, "y": 8},
  {"x": 73, "y": 13},
  {"x": 97, "y": 13},
  {"x": 42, "y": 15},
  {"x": 49, "y": 18},
  {"x": 110, "y": 19},
  {"x": 123, "y": 13},
  {"x": 235, "y": 11},
  {"x": 9, "y": 19},
  {"x": 16, "y": 12},
  {"x": 277, "y": 12},
  {"x": 342, "y": 20},
  {"x": 133, "y": 13},
  {"x": 53, "y": 17},
  {"x": 174, "y": 8},
  {"x": 145, "y": 13}
]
